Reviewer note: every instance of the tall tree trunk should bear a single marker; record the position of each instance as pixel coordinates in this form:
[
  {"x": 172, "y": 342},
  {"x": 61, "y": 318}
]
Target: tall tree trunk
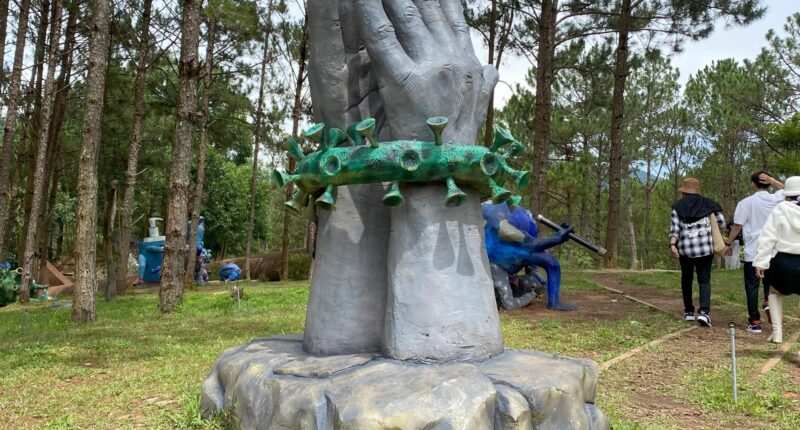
[
  {"x": 543, "y": 105},
  {"x": 201, "y": 157},
  {"x": 83, "y": 300},
  {"x": 615, "y": 167},
  {"x": 12, "y": 205},
  {"x": 251, "y": 217},
  {"x": 170, "y": 295},
  {"x": 35, "y": 130},
  {"x": 311, "y": 237},
  {"x": 9, "y": 129},
  {"x": 488, "y": 132},
  {"x": 298, "y": 93},
  {"x": 634, "y": 264},
  {"x": 126, "y": 214},
  {"x": 648, "y": 197},
  {"x": 17, "y": 198},
  {"x": 52, "y": 173},
  {"x": 109, "y": 216},
  {"x": 3, "y": 32},
  {"x": 496, "y": 57},
  {"x": 38, "y": 63},
  {"x": 27, "y": 201},
  {"x": 41, "y": 155},
  {"x": 598, "y": 193}
]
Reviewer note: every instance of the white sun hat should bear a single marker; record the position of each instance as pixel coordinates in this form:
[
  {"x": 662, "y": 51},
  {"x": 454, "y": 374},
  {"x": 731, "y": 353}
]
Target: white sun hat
[{"x": 792, "y": 187}]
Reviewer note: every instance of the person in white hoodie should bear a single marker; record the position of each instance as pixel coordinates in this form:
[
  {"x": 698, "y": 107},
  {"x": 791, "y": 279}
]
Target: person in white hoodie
[{"x": 778, "y": 256}]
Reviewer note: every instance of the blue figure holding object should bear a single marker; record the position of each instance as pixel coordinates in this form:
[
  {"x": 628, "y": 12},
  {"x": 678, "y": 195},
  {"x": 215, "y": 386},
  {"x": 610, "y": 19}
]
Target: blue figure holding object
[{"x": 512, "y": 245}]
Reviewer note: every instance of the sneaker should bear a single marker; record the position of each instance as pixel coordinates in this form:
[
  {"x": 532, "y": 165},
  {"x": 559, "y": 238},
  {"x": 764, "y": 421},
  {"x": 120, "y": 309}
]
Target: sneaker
[
  {"x": 754, "y": 327},
  {"x": 704, "y": 319},
  {"x": 766, "y": 312},
  {"x": 688, "y": 316}
]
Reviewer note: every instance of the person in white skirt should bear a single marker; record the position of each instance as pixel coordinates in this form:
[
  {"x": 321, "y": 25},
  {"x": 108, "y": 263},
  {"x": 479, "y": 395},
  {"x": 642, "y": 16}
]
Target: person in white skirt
[{"x": 778, "y": 257}]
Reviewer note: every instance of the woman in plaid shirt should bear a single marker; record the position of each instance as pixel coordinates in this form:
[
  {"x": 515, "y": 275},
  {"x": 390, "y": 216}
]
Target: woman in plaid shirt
[{"x": 690, "y": 242}]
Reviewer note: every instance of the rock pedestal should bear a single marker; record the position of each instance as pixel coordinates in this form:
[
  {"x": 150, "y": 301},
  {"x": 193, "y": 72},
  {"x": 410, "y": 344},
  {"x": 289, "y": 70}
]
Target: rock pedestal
[{"x": 272, "y": 383}]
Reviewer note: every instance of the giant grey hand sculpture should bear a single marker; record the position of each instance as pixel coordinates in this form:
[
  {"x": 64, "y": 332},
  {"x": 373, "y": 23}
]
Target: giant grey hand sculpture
[
  {"x": 423, "y": 58},
  {"x": 418, "y": 63}
]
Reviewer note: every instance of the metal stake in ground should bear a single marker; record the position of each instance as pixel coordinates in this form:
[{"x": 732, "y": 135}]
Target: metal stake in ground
[{"x": 732, "y": 331}]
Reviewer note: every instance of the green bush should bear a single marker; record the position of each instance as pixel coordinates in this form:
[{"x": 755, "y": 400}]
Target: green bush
[{"x": 299, "y": 266}]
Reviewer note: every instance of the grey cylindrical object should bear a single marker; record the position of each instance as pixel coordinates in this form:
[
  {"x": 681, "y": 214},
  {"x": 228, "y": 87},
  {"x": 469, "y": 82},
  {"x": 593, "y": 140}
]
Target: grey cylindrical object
[
  {"x": 732, "y": 331},
  {"x": 347, "y": 302},
  {"x": 441, "y": 304}
]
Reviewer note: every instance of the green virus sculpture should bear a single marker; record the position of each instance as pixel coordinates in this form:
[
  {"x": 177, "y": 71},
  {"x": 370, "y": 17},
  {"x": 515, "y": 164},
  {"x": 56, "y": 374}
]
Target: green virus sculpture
[{"x": 366, "y": 161}]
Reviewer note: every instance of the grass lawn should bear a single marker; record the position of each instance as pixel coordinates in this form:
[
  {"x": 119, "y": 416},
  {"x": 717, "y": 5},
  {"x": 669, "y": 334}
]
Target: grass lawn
[{"x": 135, "y": 368}]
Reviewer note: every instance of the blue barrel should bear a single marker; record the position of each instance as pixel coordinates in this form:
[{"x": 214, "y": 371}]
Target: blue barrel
[{"x": 153, "y": 253}]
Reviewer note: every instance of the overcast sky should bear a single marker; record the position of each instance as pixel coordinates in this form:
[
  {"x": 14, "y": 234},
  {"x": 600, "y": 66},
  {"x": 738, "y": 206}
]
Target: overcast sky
[{"x": 736, "y": 42}]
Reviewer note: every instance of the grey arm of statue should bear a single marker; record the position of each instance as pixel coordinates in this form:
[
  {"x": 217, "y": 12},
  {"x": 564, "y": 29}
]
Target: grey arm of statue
[
  {"x": 347, "y": 301},
  {"x": 440, "y": 303}
]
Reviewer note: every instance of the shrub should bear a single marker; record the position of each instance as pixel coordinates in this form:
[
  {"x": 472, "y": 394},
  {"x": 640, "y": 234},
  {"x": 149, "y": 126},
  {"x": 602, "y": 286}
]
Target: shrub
[{"x": 299, "y": 266}]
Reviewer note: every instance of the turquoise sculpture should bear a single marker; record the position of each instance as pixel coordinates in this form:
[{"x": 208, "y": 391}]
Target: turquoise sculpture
[{"x": 367, "y": 161}]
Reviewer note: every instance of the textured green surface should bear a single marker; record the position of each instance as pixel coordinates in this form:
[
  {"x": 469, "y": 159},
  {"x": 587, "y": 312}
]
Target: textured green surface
[{"x": 367, "y": 161}]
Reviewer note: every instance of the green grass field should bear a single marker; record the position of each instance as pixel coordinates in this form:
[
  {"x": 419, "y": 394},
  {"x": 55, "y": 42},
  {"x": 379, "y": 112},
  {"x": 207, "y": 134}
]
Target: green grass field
[{"x": 135, "y": 368}]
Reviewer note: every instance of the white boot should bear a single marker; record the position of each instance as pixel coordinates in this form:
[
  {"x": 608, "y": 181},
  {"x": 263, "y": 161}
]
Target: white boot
[{"x": 776, "y": 311}]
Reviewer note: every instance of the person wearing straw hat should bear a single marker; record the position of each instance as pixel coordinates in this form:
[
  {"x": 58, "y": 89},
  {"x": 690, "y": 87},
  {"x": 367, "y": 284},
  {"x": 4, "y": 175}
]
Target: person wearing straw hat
[
  {"x": 690, "y": 241},
  {"x": 778, "y": 257}
]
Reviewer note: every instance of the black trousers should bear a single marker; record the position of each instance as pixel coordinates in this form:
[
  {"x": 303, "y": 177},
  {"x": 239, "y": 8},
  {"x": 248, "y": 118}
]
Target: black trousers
[
  {"x": 751, "y": 283},
  {"x": 701, "y": 265}
]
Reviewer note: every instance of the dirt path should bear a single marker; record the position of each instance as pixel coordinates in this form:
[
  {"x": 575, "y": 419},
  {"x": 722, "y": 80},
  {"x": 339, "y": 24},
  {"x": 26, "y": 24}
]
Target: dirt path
[{"x": 659, "y": 380}]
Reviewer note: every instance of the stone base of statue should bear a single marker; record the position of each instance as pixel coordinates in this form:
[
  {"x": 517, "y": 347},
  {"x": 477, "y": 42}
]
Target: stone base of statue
[{"x": 272, "y": 383}]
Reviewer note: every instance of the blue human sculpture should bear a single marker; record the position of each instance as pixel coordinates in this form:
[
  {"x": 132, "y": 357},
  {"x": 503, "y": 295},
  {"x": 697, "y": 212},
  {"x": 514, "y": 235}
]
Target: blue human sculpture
[{"x": 512, "y": 245}]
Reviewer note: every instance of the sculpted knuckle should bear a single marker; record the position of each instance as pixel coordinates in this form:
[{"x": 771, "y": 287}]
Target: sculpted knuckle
[
  {"x": 412, "y": 13},
  {"x": 407, "y": 80},
  {"x": 384, "y": 33}
]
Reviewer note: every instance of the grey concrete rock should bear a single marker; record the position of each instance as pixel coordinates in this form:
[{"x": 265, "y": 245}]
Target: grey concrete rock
[
  {"x": 272, "y": 383},
  {"x": 512, "y": 410}
]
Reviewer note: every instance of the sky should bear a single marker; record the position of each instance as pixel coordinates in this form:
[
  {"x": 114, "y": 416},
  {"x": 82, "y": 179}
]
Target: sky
[{"x": 735, "y": 42}]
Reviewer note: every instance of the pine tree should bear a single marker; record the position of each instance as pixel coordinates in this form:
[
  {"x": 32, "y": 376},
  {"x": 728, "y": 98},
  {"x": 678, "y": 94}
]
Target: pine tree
[
  {"x": 296, "y": 111},
  {"x": 83, "y": 300},
  {"x": 257, "y": 129},
  {"x": 29, "y": 261},
  {"x": 201, "y": 158},
  {"x": 12, "y": 104},
  {"x": 172, "y": 272},
  {"x": 142, "y": 68}
]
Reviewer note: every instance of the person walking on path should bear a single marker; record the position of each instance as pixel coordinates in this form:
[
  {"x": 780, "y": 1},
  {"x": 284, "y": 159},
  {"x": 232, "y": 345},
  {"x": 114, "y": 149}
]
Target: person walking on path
[
  {"x": 690, "y": 242},
  {"x": 749, "y": 218},
  {"x": 778, "y": 255}
]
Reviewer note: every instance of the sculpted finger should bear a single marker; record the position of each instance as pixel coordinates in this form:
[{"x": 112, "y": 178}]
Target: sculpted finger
[
  {"x": 485, "y": 92},
  {"x": 353, "y": 41},
  {"x": 385, "y": 51},
  {"x": 435, "y": 21},
  {"x": 454, "y": 13},
  {"x": 490, "y": 78},
  {"x": 324, "y": 28},
  {"x": 409, "y": 26},
  {"x": 327, "y": 72}
]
